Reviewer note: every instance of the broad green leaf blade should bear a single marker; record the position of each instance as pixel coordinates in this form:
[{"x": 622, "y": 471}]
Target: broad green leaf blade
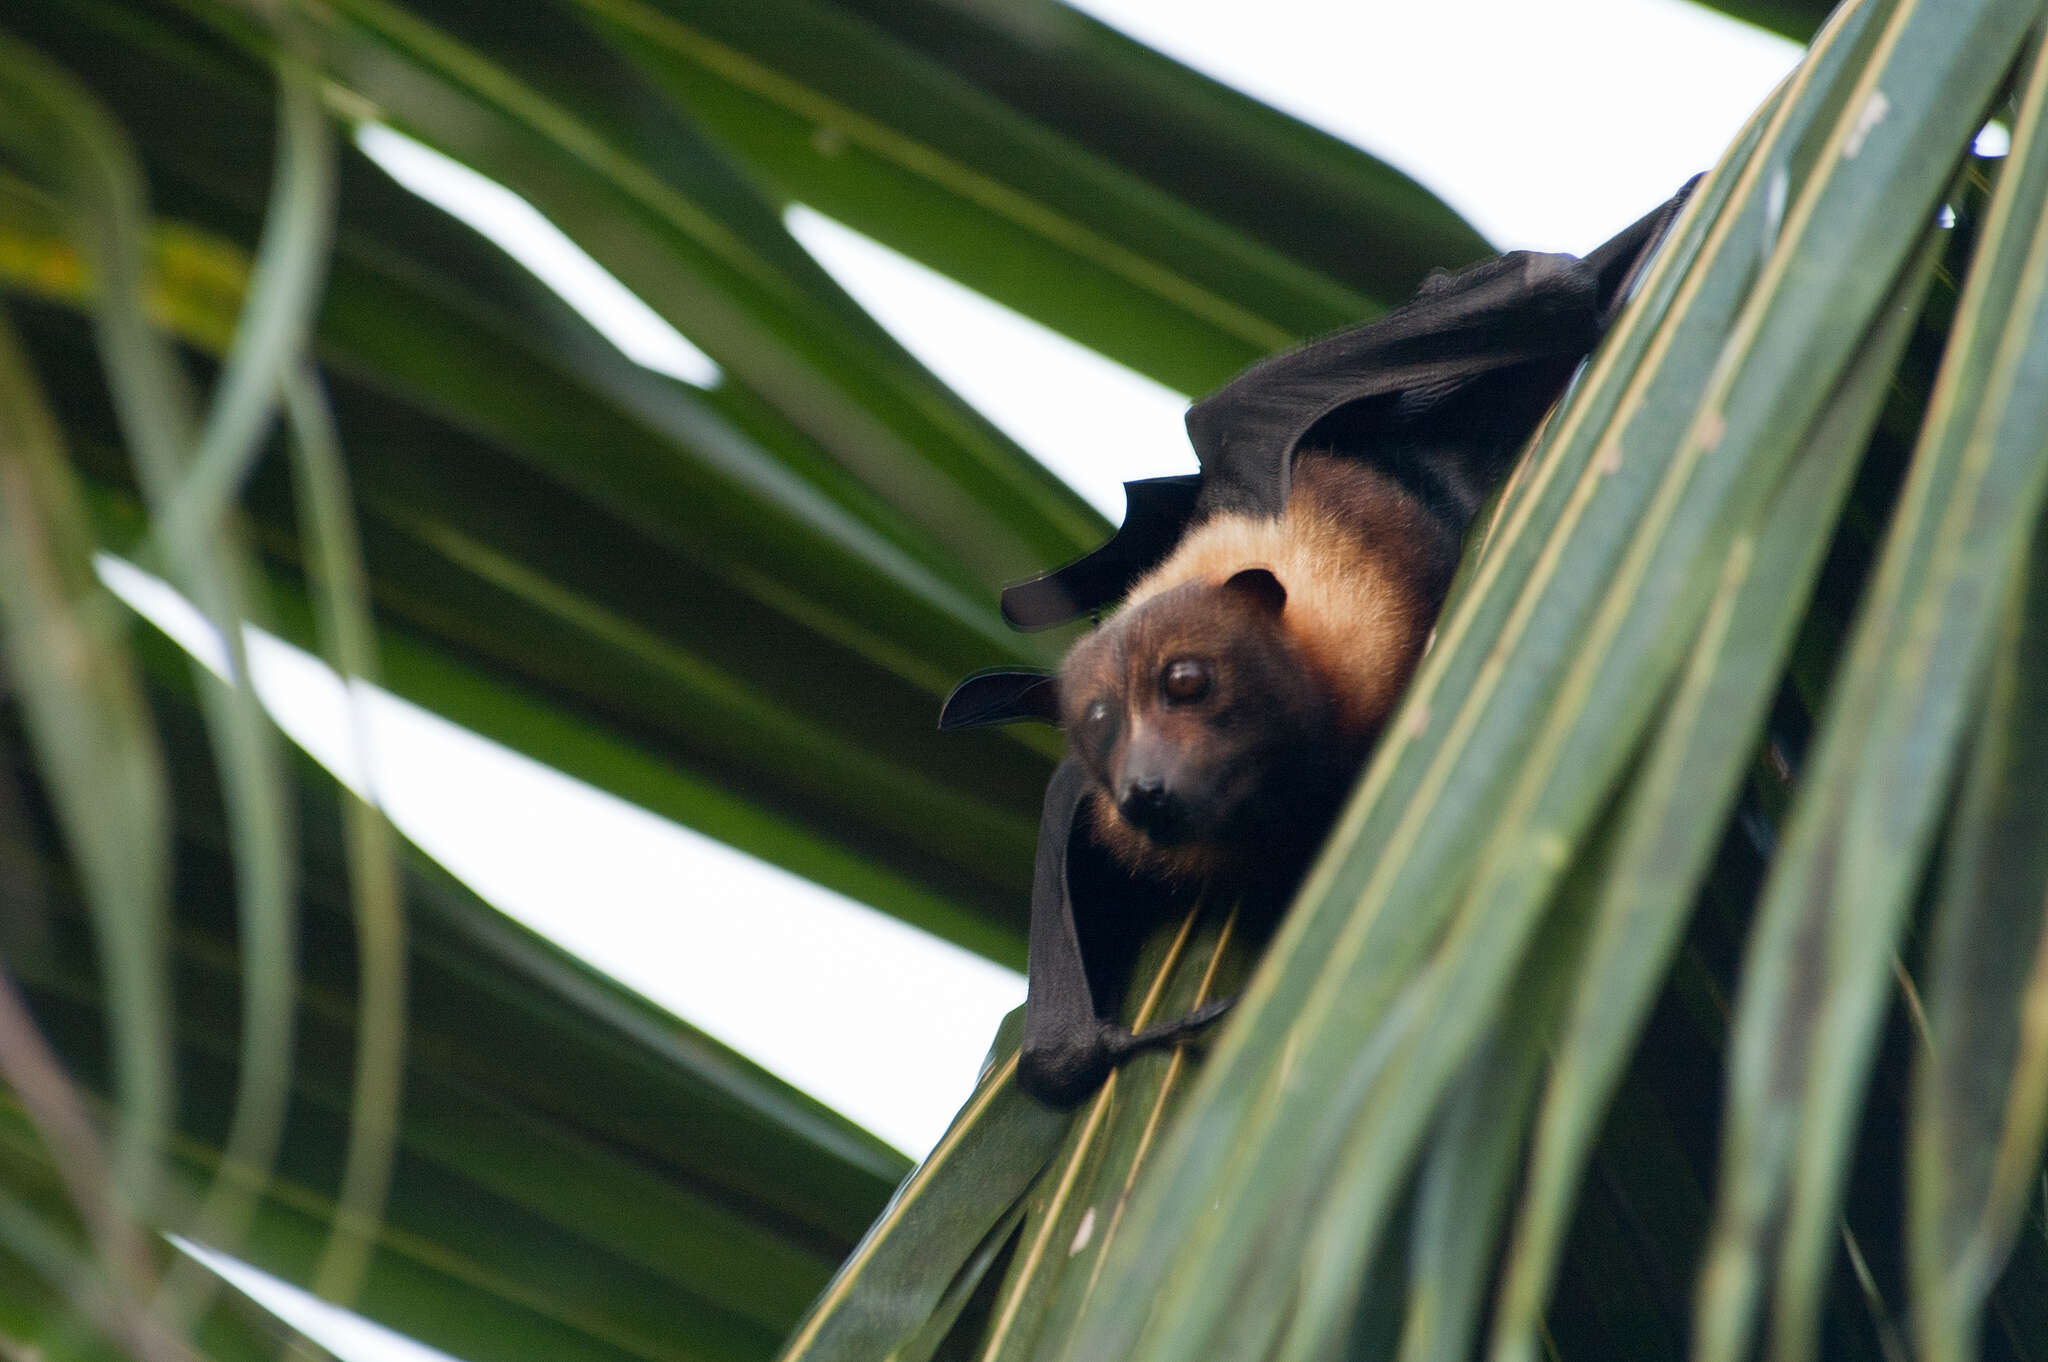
[
  {"x": 699, "y": 1201},
  {"x": 931, "y": 1242},
  {"x": 648, "y": 641},
  {"x": 405, "y": 247},
  {"x": 1077, "y": 1211},
  {"x": 446, "y": 682},
  {"x": 1672, "y": 819},
  {"x": 1467, "y": 1178},
  {"x": 1980, "y": 1094},
  {"x": 153, "y": 63},
  {"x": 844, "y": 111},
  {"x": 1819, "y": 967},
  {"x": 691, "y": 239},
  {"x": 1273, "y": 178},
  {"x": 970, "y": 1294},
  {"x": 923, "y": 139},
  {"x": 1796, "y": 19},
  {"x": 1043, "y": 1191},
  {"x": 429, "y": 557}
]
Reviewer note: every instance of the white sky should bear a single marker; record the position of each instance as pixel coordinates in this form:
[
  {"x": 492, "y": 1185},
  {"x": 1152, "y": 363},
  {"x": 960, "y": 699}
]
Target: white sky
[{"x": 1547, "y": 125}]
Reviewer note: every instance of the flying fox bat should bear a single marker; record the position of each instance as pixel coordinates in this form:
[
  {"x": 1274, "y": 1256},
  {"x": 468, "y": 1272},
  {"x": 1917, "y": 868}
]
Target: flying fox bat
[{"x": 1273, "y": 606}]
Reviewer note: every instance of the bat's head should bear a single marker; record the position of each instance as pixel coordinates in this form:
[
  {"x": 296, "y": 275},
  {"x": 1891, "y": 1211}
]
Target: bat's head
[{"x": 1202, "y": 726}]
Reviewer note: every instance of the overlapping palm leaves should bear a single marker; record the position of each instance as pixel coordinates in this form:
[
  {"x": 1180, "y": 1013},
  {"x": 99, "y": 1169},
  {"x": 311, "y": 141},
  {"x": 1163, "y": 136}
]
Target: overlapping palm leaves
[{"x": 1473, "y": 1099}]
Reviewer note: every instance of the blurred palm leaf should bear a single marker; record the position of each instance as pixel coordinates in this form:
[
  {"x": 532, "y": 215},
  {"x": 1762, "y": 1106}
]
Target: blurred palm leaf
[{"x": 1475, "y": 1085}]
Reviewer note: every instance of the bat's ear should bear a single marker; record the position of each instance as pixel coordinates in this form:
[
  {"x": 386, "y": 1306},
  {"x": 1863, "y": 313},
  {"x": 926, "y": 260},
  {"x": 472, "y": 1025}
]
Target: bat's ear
[
  {"x": 1259, "y": 586},
  {"x": 1001, "y": 697}
]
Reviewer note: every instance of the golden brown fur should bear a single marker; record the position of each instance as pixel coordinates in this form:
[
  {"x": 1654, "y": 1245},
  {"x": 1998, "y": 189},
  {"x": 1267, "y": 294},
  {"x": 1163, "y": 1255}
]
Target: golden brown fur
[
  {"x": 1296, "y": 690},
  {"x": 1357, "y": 554}
]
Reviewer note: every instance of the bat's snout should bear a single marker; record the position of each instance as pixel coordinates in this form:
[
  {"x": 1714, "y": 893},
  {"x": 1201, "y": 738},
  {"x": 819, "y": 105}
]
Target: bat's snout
[{"x": 1149, "y": 804}]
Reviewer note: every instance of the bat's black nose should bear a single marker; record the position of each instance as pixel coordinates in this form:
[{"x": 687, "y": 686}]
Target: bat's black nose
[{"x": 1146, "y": 806}]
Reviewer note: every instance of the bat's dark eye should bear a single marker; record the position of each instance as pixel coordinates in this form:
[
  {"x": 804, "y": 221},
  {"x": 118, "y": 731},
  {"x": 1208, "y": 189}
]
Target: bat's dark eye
[
  {"x": 1094, "y": 733},
  {"x": 1185, "y": 679}
]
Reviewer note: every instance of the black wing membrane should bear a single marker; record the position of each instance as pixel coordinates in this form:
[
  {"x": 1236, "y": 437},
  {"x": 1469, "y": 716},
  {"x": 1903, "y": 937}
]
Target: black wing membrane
[
  {"x": 1440, "y": 393},
  {"x": 1071, "y": 1041},
  {"x": 1065, "y": 1053},
  {"x": 1480, "y": 354}
]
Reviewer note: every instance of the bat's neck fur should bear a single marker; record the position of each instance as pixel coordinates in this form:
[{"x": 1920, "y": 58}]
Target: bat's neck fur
[{"x": 1365, "y": 567}]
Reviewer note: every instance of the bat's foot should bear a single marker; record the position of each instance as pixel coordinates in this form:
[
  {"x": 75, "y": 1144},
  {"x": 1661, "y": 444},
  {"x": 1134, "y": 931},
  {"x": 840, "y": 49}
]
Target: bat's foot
[
  {"x": 1172, "y": 1033},
  {"x": 1063, "y": 1075}
]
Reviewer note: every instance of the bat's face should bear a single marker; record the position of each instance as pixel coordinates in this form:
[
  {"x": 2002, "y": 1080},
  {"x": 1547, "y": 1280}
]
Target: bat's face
[{"x": 1196, "y": 717}]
